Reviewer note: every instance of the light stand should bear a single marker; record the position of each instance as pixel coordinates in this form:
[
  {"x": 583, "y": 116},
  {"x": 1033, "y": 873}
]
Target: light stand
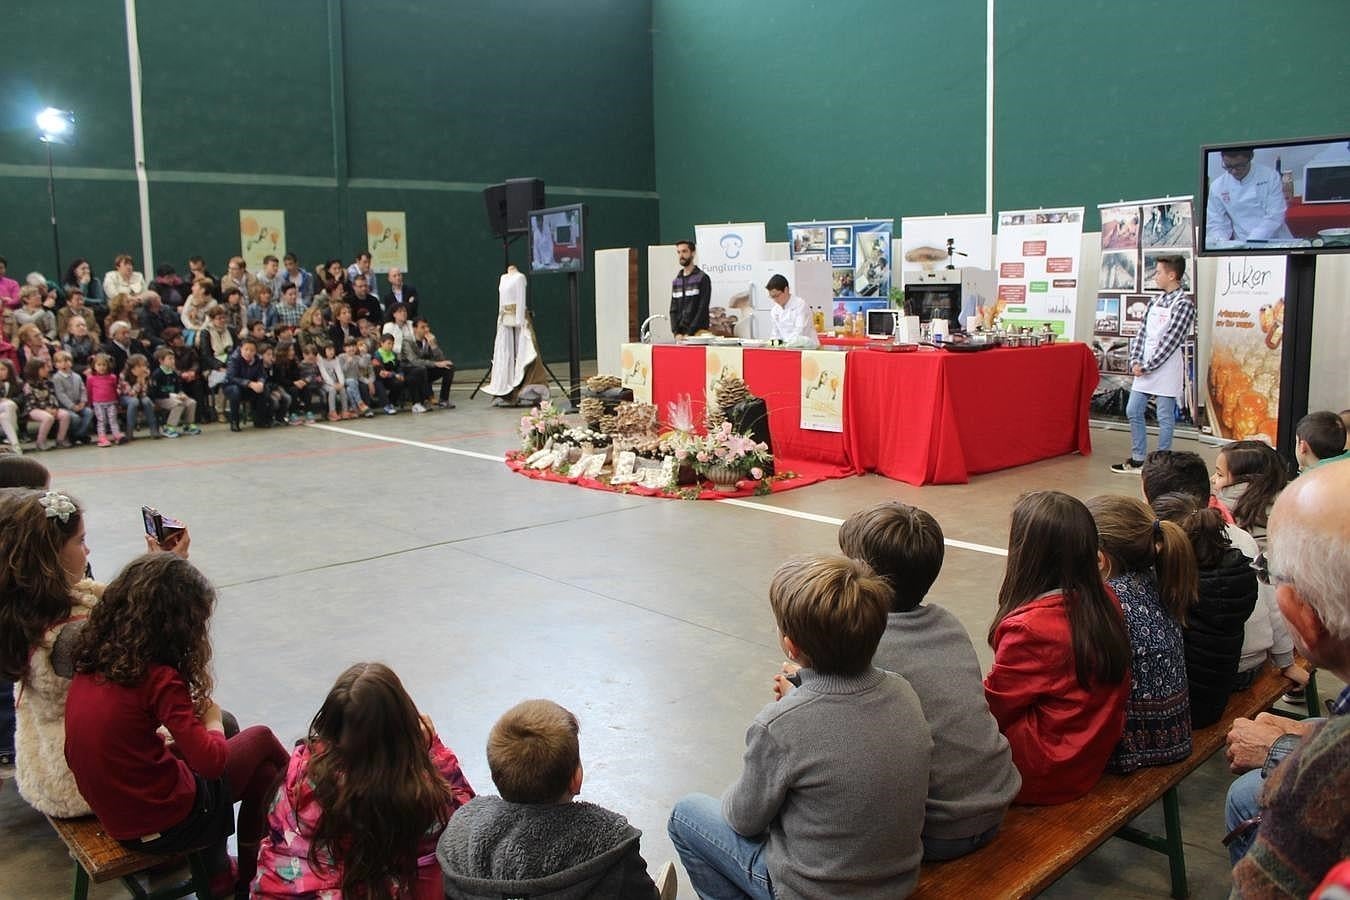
[{"x": 57, "y": 126}]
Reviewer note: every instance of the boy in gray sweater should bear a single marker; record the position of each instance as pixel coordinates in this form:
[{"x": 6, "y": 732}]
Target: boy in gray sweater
[
  {"x": 830, "y": 802},
  {"x": 973, "y": 779},
  {"x": 71, "y": 394}
]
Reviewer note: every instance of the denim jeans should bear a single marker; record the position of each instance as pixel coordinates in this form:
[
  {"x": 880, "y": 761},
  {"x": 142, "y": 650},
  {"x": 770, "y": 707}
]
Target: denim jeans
[
  {"x": 1167, "y": 420},
  {"x": 939, "y": 849},
  {"x": 1243, "y": 804},
  {"x": 82, "y": 422},
  {"x": 722, "y": 864},
  {"x": 145, "y": 405}
]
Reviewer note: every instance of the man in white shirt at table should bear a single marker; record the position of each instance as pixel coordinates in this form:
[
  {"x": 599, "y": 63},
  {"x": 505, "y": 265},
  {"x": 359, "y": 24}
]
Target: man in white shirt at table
[
  {"x": 1246, "y": 202},
  {"x": 792, "y": 320}
]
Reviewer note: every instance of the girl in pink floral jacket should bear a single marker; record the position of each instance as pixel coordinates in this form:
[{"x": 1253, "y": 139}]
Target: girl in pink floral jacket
[{"x": 364, "y": 799}]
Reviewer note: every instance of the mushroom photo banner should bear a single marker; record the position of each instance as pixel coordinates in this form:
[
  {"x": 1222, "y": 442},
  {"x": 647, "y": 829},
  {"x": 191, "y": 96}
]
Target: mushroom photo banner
[{"x": 1134, "y": 234}]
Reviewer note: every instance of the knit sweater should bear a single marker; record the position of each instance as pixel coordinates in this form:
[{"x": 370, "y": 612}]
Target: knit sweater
[
  {"x": 973, "y": 779},
  {"x": 842, "y": 817},
  {"x": 1305, "y": 821},
  {"x": 493, "y": 848}
]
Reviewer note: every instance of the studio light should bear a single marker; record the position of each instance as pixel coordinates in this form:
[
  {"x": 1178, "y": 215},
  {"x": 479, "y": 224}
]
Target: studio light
[{"x": 57, "y": 125}]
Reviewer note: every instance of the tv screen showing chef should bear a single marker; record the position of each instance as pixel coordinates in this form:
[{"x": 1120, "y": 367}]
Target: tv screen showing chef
[
  {"x": 1285, "y": 197},
  {"x": 556, "y": 240}
]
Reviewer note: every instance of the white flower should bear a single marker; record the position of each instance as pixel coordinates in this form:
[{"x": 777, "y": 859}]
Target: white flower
[{"x": 58, "y": 506}]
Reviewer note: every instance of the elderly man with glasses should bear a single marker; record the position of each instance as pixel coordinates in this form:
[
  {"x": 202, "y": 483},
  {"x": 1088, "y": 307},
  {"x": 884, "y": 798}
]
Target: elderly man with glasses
[{"x": 1288, "y": 819}]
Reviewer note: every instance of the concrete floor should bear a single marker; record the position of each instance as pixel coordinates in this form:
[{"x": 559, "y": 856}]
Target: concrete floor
[{"x": 648, "y": 618}]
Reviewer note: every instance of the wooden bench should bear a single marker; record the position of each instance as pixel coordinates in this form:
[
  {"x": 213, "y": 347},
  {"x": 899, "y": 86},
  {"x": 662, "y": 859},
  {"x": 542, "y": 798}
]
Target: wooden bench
[
  {"x": 1038, "y": 844},
  {"x": 99, "y": 858}
]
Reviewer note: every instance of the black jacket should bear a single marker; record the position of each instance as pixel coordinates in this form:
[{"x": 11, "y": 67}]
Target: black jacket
[
  {"x": 1214, "y": 633},
  {"x": 409, "y": 300},
  {"x": 689, "y": 298}
]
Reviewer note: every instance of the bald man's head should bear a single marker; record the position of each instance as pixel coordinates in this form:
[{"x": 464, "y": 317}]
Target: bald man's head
[{"x": 1310, "y": 561}]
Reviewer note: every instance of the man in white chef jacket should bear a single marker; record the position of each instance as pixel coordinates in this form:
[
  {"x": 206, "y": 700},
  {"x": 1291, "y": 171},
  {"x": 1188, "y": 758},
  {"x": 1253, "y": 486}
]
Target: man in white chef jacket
[
  {"x": 792, "y": 320},
  {"x": 1158, "y": 362},
  {"x": 1246, "y": 202}
]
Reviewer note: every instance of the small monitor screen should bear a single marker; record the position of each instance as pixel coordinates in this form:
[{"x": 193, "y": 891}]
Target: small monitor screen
[
  {"x": 1285, "y": 197},
  {"x": 557, "y": 239}
]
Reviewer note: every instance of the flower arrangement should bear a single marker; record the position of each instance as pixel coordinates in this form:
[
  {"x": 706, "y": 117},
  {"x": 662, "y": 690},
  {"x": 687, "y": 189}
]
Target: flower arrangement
[
  {"x": 583, "y": 435},
  {"x": 722, "y": 449},
  {"x": 541, "y": 423}
]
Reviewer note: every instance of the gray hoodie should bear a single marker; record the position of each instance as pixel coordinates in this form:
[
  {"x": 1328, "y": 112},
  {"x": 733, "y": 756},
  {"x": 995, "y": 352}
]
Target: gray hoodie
[{"x": 494, "y": 849}]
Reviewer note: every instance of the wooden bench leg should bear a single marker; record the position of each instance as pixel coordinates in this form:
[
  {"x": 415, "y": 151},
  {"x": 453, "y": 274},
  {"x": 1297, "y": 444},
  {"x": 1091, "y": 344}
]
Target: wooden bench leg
[
  {"x": 80, "y": 890},
  {"x": 1311, "y": 697},
  {"x": 198, "y": 883},
  {"x": 1170, "y": 845},
  {"x": 1176, "y": 851}
]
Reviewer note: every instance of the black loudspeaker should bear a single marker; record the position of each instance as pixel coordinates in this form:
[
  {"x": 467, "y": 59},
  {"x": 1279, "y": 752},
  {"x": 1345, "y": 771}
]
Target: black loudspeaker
[
  {"x": 522, "y": 195},
  {"x": 494, "y": 200}
]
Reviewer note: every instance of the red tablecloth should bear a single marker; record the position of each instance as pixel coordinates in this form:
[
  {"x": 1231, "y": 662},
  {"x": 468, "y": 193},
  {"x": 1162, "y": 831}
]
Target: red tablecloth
[
  {"x": 929, "y": 417},
  {"x": 936, "y": 417}
]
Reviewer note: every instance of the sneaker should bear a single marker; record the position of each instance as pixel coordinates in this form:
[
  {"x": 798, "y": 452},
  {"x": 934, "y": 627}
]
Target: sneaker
[
  {"x": 368, "y": 414},
  {"x": 1128, "y": 467},
  {"x": 294, "y": 419},
  {"x": 119, "y": 438},
  {"x": 333, "y": 417},
  {"x": 7, "y": 765},
  {"x": 168, "y": 432},
  {"x": 104, "y": 442},
  {"x": 446, "y": 404},
  {"x": 192, "y": 429},
  {"x": 1297, "y": 696},
  {"x": 418, "y": 408},
  {"x": 310, "y": 417},
  {"x": 390, "y": 410},
  {"x": 64, "y": 444}
]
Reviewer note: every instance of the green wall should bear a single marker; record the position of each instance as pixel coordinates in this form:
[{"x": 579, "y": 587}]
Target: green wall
[
  {"x": 802, "y": 109},
  {"x": 431, "y": 102}
]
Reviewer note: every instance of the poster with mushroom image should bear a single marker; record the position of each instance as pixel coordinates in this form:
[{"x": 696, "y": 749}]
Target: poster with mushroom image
[
  {"x": 262, "y": 232},
  {"x": 823, "y": 390},
  {"x": 1244, "y": 364},
  {"x": 387, "y": 240}
]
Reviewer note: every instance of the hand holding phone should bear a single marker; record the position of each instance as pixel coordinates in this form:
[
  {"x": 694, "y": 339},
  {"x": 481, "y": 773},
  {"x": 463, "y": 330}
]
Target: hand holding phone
[{"x": 164, "y": 532}]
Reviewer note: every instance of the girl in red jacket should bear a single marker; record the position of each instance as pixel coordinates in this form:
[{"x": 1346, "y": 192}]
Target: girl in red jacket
[
  {"x": 141, "y": 669},
  {"x": 1060, "y": 677}
]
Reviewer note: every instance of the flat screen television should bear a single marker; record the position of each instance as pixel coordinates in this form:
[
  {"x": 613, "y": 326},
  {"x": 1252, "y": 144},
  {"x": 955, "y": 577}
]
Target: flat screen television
[
  {"x": 558, "y": 239},
  {"x": 1275, "y": 197}
]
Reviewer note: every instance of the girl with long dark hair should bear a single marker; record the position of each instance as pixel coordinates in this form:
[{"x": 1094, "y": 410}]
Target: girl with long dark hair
[
  {"x": 1060, "y": 678},
  {"x": 365, "y": 798}
]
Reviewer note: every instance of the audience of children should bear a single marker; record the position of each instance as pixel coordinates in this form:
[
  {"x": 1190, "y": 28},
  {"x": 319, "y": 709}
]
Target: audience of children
[
  {"x": 1060, "y": 680},
  {"x": 1149, "y": 565},
  {"x": 42, "y": 405},
  {"x": 203, "y": 322}
]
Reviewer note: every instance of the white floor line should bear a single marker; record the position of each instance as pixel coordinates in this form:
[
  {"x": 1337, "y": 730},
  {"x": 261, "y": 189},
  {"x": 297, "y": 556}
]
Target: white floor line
[
  {"x": 393, "y": 440},
  {"x": 747, "y": 504},
  {"x": 831, "y": 520}
]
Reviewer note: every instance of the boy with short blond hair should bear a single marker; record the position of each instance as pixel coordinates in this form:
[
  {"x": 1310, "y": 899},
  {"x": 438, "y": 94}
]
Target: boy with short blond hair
[
  {"x": 536, "y": 839},
  {"x": 166, "y": 389},
  {"x": 72, "y": 395},
  {"x": 814, "y": 814}
]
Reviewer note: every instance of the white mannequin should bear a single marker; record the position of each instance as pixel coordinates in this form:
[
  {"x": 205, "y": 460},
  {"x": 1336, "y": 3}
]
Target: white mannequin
[{"x": 515, "y": 355}]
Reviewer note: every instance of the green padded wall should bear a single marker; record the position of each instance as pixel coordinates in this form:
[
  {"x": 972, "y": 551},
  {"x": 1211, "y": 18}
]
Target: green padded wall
[
  {"x": 438, "y": 101},
  {"x": 796, "y": 109}
]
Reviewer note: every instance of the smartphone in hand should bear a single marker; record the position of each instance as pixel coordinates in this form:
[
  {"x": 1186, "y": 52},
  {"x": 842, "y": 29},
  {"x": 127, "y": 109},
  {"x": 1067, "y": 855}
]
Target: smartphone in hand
[{"x": 158, "y": 526}]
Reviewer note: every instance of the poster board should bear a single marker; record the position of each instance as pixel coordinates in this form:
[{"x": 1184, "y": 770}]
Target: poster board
[
  {"x": 822, "y": 386},
  {"x": 857, "y": 250},
  {"x": 972, "y": 235},
  {"x": 1038, "y": 258},
  {"x": 1134, "y": 234},
  {"x": 1246, "y": 343},
  {"x": 387, "y": 240},
  {"x": 262, "y": 232},
  {"x": 729, "y": 254}
]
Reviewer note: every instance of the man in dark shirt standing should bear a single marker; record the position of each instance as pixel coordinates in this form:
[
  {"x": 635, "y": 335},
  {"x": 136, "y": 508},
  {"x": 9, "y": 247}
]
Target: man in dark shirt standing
[{"x": 690, "y": 293}]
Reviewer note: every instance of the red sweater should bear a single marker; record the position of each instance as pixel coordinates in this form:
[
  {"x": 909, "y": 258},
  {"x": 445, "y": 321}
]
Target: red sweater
[
  {"x": 123, "y": 768},
  {"x": 1061, "y": 735}
]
